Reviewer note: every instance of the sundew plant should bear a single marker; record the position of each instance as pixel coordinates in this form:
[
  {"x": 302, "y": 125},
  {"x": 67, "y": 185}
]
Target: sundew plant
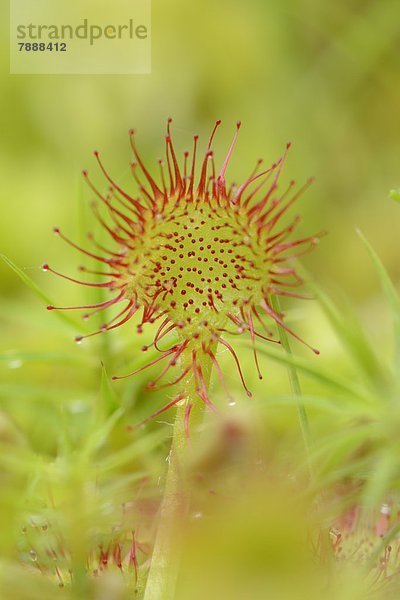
[
  {"x": 196, "y": 258},
  {"x": 193, "y": 291}
]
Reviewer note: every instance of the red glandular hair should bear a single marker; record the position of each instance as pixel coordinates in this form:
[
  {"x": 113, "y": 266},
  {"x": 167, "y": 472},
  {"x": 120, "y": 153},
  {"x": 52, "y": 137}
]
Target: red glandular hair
[{"x": 201, "y": 259}]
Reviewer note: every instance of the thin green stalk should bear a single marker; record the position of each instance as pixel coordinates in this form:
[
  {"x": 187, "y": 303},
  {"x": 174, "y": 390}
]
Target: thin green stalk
[
  {"x": 323, "y": 540},
  {"x": 165, "y": 562},
  {"x": 294, "y": 383}
]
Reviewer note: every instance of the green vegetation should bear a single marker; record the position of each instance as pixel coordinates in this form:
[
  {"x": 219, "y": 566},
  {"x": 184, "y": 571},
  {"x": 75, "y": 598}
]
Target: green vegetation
[{"x": 279, "y": 506}]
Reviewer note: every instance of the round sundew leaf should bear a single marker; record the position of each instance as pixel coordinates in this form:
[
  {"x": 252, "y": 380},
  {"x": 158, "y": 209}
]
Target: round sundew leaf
[{"x": 198, "y": 258}]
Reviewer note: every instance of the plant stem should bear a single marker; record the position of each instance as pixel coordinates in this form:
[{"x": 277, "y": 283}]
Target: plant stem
[
  {"x": 323, "y": 538},
  {"x": 165, "y": 562},
  {"x": 294, "y": 383}
]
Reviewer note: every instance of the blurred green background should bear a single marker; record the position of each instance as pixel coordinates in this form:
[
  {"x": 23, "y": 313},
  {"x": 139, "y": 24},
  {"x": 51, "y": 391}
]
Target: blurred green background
[{"x": 324, "y": 75}]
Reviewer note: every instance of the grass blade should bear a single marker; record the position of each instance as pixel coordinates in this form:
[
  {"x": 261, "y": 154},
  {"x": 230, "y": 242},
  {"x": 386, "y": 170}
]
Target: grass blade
[
  {"x": 39, "y": 292},
  {"x": 390, "y": 292},
  {"x": 316, "y": 372}
]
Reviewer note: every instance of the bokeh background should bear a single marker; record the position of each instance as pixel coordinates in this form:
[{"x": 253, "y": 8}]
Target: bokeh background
[{"x": 324, "y": 75}]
